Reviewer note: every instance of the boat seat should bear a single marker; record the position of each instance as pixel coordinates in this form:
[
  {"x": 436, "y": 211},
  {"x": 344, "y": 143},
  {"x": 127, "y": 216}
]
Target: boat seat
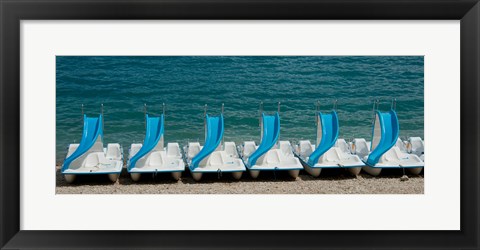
[
  {"x": 113, "y": 151},
  {"x": 91, "y": 160},
  {"x": 173, "y": 149},
  {"x": 391, "y": 155},
  {"x": 230, "y": 148},
  {"x": 342, "y": 145},
  {"x": 193, "y": 149},
  {"x": 248, "y": 148},
  {"x": 215, "y": 159},
  {"x": 331, "y": 155},
  {"x": 417, "y": 145},
  {"x": 306, "y": 148},
  {"x": 361, "y": 147},
  {"x": 96, "y": 159},
  {"x": 285, "y": 147},
  {"x": 401, "y": 145},
  {"x": 134, "y": 149},
  {"x": 155, "y": 159},
  {"x": 273, "y": 157}
]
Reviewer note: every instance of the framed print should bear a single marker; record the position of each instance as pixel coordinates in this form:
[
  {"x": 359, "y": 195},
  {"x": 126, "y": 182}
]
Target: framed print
[{"x": 239, "y": 124}]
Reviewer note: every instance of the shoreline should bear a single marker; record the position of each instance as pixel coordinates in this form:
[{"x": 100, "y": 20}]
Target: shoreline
[{"x": 333, "y": 181}]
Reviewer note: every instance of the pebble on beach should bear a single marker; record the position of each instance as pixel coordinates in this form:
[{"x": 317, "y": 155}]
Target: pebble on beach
[{"x": 337, "y": 182}]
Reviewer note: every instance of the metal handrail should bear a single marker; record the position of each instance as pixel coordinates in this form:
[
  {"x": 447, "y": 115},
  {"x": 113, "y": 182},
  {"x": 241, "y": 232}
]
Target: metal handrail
[
  {"x": 260, "y": 110},
  {"x": 83, "y": 114},
  {"x": 103, "y": 119},
  {"x": 223, "y": 137},
  {"x": 145, "y": 115},
  {"x": 376, "y": 104},
  {"x": 205, "y": 119},
  {"x": 394, "y": 104}
]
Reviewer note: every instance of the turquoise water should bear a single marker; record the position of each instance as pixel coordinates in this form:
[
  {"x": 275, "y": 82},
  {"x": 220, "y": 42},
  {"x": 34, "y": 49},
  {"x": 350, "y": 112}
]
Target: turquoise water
[{"x": 185, "y": 84}]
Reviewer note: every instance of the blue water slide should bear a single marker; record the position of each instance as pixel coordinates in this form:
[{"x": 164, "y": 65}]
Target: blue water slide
[
  {"x": 213, "y": 137},
  {"x": 271, "y": 132},
  {"x": 92, "y": 129},
  {"x": 330, "y": 130},
  {"x": 389, "y": 129},
  {"x": 152, "y": 136}
]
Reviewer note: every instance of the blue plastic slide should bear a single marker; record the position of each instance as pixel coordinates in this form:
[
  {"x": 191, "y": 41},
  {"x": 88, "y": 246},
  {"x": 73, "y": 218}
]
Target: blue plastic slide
[
  {"x": 330, "y": 130},
  {"x": 92, "y": 129},
  {"x": 271, "y": 132},
  {"x": 153, "y": 134},
  {"x": 389, "y": 129},
  {"x": 213, "y": 137}
]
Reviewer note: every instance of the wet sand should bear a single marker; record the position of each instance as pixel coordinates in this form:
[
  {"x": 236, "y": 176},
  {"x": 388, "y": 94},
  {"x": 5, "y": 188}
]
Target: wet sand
[{"x": 336, "y": 181}]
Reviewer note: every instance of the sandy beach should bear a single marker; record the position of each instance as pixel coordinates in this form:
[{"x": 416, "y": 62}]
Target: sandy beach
[{"x": 329, "y": 182}]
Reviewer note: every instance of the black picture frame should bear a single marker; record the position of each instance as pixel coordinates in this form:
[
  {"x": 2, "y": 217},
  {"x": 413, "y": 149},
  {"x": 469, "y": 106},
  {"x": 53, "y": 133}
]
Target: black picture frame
[{"x": 12, "y": 12}]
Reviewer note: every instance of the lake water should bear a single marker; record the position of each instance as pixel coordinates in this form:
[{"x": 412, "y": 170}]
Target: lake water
[{"x": 185, "y": 84}]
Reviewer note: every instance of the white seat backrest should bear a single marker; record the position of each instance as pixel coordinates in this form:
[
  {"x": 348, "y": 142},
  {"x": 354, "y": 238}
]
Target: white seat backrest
[
  {"x": 285, "y": 147},
  {"x": 230, "y": 148},
  {"x": 391, "y": 155},
  {"x": 272, "y": 157},
  {"x": 417, "y": 144},
  {"x": 173, "y": 149},
  {"x": 306, "y": 148},
  {"x": 248, "y": 148},
  {"x": 134, "y": 149},
  {"x": 155, "y": 159},
  {"x": 113, "y": 151},
  {"x": 400, "y": 154},
  {"x": 92, "y": 160},
  {"x": 401, "y": 145},
  {"x": 331, "y": 155},
  {"x": 102, "y": 159},
  {"x": 342, "y": 144},
  {"x": 361, "y": 147},
  {"x": 193, "y": 149}
]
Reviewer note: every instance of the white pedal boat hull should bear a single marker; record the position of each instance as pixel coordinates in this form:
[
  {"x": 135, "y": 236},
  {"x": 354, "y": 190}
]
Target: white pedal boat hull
[
  {"x": 338, "y": 156},
  {"x": 160, "y": 160},
  {"x": 218, "y": 162},
  {"x": 395, "y": 158},
  {"x": 276, "y": 159},
  {"x": 108, "y": 162}
]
